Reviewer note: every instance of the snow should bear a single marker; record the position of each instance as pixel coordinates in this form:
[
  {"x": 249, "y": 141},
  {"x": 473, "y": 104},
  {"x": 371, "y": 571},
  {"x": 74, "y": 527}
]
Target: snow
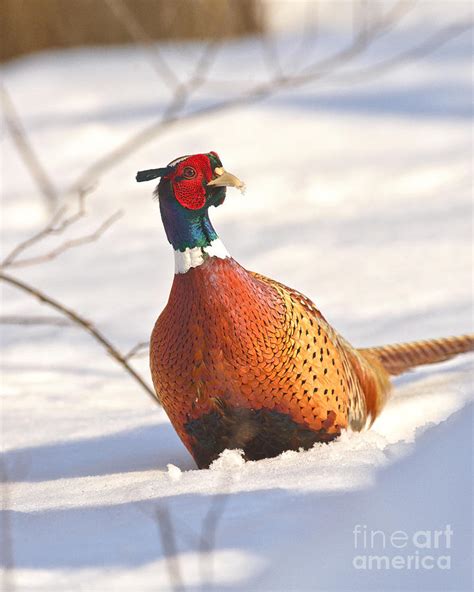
[{"x": 358, "y": 196}]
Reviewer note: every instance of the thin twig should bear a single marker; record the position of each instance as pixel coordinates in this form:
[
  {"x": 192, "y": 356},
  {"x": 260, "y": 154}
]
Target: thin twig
[
  {"x": 170, "y": 550},
  {"x": 57, "y": 225},
  {"x": 184, "y": 90},
  {"x": 360, "y": 18},
  {"x": 309, "y": 37},
  {"x": 428, "y": 46},
  {"x": 149, "y": 133},
  {"x": 6, "y": 529},
  {"x": 363, "y": 38},
  {"x": 270, "y": 55},
  {"x": 203, "y": 64},
  {"x": 309, "y": 74},
  {"x": 66, "y": 245},
  {"x": 84, "y": 324},
  {"x": 137, "y": 350},
  {"x": 210, "y": 523},
  {"x": 35, "y": 320},
  {"x": 208, "y": 536},
  {"x": 387, "y": 22},
  {"x": 26, "y": 150},
  {"x": 48, "y": 229},
  {"x": 181, "y": 90},
  {"x": 128, "y": 19}
]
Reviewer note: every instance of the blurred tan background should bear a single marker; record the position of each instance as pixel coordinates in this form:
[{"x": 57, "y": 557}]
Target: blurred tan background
[{"x": 34, "y": 25}]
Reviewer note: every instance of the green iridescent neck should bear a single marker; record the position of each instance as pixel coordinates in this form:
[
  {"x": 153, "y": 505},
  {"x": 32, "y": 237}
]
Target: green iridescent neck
[{"x": 185, "y": 228}]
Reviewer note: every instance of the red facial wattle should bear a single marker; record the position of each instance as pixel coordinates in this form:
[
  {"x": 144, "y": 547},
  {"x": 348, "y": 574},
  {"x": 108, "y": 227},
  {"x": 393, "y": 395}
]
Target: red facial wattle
[{"x": 189, "y": 188}]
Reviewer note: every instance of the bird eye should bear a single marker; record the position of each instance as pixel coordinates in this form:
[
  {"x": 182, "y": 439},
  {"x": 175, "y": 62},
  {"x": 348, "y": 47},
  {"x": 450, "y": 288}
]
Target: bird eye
[{"x": 189, "y": 172}]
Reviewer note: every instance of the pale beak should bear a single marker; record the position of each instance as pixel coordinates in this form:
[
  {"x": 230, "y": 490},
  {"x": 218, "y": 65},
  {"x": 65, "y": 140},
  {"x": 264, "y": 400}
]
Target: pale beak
[{"x": 225, "y": 179}]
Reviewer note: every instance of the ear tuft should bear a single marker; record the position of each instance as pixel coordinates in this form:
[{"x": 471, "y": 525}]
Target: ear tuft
[{"x": 150, "y": 174}]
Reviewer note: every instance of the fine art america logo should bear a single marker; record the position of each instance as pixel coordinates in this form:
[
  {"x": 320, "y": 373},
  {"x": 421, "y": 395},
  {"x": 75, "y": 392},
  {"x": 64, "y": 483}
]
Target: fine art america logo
[{"x": 418, "y": 550}]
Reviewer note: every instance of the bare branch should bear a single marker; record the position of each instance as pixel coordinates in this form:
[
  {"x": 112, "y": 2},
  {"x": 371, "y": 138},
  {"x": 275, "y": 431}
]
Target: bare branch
[
  {"x": 49, "y": 229},
  {"x": 309, "y": 74},
  {"x": 430, "y": 45},
  {"x": 203, "y": 64},
  {"x": 394, "y": 15},
  {"x": 270, "y": 55},
  {"x": 182, "y": 90},
  {"x": 186, "y": 89},
  {"x": 309, "y": 37},
  {"x": 170, "y": 551},
  {"x": 208, "y": 537},
  {"x": 128, "y": 19},
  {"x": 363, "y": 38},
  {"x": 58, "y": 224},
  {"x": 65, "y": 246},
  {"x": 26, "y": 150},
  {"x": 210, "y": 523},
  {"x": 34, "y": 320},
  {"x": 137, "y": 350},
  {"x": 83, "y": 324},
  {"x": 6, "y": 529},
  {"x": 362, "y": 16}
]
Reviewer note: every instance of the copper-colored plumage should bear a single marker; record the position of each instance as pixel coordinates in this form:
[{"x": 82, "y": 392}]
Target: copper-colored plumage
[{"x": 239, "y": 360}]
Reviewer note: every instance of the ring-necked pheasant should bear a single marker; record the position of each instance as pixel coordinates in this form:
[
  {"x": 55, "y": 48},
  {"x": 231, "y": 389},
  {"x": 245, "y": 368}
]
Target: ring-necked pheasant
[{"x": 241, "y": 361}]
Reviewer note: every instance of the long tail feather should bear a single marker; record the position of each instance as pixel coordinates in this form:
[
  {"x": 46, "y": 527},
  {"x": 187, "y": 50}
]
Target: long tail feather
[{"x": 401, "y": 357}]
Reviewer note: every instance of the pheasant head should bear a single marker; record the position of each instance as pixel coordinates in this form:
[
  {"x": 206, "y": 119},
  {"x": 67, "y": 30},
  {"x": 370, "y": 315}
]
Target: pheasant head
[{"x": 189, "y": 185}]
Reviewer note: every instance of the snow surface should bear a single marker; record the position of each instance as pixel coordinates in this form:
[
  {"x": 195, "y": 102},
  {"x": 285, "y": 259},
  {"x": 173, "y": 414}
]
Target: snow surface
[{"x": 358, "y": 196}]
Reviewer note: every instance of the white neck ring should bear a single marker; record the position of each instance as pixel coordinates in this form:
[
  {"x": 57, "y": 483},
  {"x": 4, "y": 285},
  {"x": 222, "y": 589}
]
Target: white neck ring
[{"x": 185, "y": 260}]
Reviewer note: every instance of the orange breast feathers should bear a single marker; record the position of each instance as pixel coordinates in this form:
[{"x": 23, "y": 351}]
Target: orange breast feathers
[{"x": 231, "y": 338}]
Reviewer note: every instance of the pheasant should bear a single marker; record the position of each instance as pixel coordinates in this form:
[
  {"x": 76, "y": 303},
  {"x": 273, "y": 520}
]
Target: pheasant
[{"x": 239, "y": 360}]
